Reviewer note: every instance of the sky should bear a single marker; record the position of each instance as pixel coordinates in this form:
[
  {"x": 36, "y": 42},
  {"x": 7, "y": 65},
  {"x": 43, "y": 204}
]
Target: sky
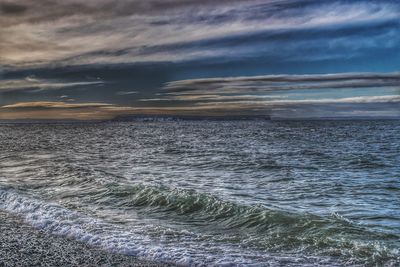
[{"x": 101, "y": 59}]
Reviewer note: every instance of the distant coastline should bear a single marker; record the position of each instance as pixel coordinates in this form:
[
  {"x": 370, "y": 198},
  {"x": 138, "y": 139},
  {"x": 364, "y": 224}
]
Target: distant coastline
[{"x": 167, "y": 118}]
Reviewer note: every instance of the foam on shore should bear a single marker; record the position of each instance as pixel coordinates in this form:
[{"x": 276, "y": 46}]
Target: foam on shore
[{"x": 23, "y": 245}]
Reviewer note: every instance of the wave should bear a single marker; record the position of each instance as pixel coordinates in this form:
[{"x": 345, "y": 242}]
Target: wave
[
  {"x": 260, "y": 226},
  {"x": 187, "y": 203},
  {"x": 57, "y": 220},
  {"x": 248, "y": 230}
]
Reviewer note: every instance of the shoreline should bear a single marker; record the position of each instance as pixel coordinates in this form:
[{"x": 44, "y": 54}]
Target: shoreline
[{"x": 23, "y": 245}]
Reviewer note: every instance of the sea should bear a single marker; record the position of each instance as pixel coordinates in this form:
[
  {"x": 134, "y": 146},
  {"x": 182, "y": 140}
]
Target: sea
[{"x": 211, "y": 193}]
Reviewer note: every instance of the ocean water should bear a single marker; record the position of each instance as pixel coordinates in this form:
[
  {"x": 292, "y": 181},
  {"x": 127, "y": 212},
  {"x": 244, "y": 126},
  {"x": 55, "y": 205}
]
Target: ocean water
[{"x": 212, "y": 193}]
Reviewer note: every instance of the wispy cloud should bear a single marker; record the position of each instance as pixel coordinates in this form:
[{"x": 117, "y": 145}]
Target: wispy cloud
[
  {"x": 287, "y": 103},
  {"x": 279, "y": 94},
  {"x": 55, "y": 111},
  {"x": 53, "y": 105},
  {"x": 127, "y": 92},
  {"x": 384, "y": 106},
  {"x": 102, "y": 32},
  {"x": 42, "y": 84},
  {"x": 267, "y": 83}
]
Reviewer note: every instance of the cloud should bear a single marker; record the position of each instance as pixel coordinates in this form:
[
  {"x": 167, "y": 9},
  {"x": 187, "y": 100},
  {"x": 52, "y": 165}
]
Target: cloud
[
  {"x": 268, "y": 95},
  {"x": 104, "y": 32},
  {"x": 384, "y": 106},
  {"x": 203, "y": 57},
  {"x": 42, "y": 84},
  {"x": 311, "y": 95},
  {"x": 271, "y": 83},
  {"x": 58, "y": 110},
  {"x": 343, "y": 110},
  {"x": 210, "y": 97},
  {"x": 292, "y": 78},
  {"x": 53, "y": 105},
  {"x": 286, "y": 103},
  {"x": 9, "y": 8},
  {"x": 127, "y": 92},
  {"x": 44, "y": 110}
]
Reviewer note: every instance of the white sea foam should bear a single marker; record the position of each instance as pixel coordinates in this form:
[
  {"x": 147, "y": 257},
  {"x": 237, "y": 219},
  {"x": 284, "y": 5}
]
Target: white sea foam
[{"x": 57, "y": 220}]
